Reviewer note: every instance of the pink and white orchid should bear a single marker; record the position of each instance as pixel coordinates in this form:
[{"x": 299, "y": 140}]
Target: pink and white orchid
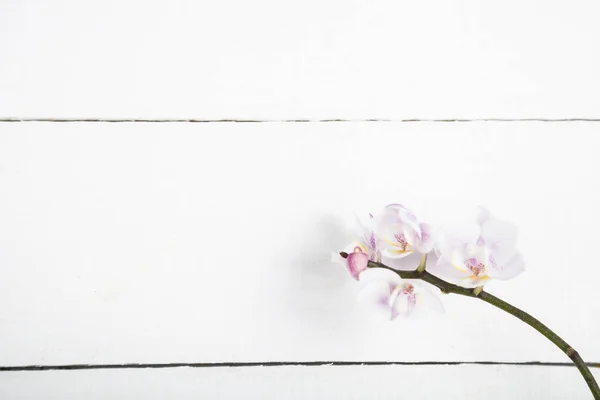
[
  {"x": 485, "y": 250},
  {"x": 386, "y": 294},
  {"x": 394, "y": 236},
  {"x": 403, "y": 238},
  {"x": 401, "y": 233}
]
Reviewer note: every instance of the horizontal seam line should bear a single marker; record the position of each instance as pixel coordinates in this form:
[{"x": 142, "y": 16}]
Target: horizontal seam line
[
  {"x": 280, "y": 364},
  {"x": 410, "y": 120}
]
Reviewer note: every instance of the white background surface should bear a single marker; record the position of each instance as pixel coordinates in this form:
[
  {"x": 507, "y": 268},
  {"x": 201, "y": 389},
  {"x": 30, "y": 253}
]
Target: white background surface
[
  {"x": 384, "y": 382},
  {"x": 210, "y": 242},
  {"x": 270, "y": 59}
]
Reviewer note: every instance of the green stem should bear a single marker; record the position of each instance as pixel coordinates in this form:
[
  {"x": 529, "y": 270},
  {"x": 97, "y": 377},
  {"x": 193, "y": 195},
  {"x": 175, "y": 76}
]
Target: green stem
[
  {"x": 549, "y": 334},
  {"x": 447, "y": 287}
]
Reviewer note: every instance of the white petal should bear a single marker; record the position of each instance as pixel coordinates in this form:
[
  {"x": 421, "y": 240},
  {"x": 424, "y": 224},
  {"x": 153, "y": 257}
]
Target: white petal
[
  {"x": 392, "y": 252},
  {"x": 445, "y": 269},
  {"x": 406, "y": 216},
  {"x": 389, "y": 245},
  {"x": 470, "y": 282},
  {"x": 364, "y": 229},
  {"x": 509, "y": 269},
  {"x": 393, "y": 223},
  {"x": 402, "y": 305},
  {"x": 450, "y": 238},
  {"x": 374, "y": 298},
  {"x": 427, "y": 241},
  {"x": 427, "y": 302},
  {"x": 420, "y": 303},
  {"x": 379, "y": 274},
  {"x": 432, "y": 259},
  {"x": 411, "y": 235},
  {"x": 409, "y": 262},
  {"x": 501, "y": 237}
]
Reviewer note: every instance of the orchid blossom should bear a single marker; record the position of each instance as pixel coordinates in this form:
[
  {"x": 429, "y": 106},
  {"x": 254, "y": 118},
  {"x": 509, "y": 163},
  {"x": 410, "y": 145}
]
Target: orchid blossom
[
  {"x": 472, "y": 257},
  {"x": 395, "y": 236},
  {"x": 401, "y": 234},
  {"x": 385, "y": 293}
]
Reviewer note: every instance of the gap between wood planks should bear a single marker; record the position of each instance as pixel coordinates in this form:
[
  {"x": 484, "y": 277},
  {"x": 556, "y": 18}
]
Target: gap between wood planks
[
  {"x": 279, "y": 364},
  {"x": 142, "y": 120}
]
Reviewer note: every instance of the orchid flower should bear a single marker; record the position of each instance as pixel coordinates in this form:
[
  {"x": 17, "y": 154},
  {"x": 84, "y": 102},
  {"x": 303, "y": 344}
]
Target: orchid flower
[
  {"x": 385, "y": 293},
  {"x": 403, "y": 238},
  {"x": 485, "y": 251},
  {"x": 401, "y": 233},
  {"x": 395, "y": 236}
]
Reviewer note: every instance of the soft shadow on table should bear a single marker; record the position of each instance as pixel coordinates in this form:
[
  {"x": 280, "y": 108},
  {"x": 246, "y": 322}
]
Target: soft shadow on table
[{"x": 311, "y": 286}]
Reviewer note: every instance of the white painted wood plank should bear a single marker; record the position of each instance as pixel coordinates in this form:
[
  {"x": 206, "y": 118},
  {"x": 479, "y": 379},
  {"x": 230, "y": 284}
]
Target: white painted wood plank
[
  {"x": 382, "y": 382},
  {"x": 268, "y": 59},
  {"x": 211, "y": 242}
]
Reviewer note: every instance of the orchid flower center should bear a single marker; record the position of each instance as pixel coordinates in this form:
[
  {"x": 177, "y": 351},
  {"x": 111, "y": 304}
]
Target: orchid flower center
[
  {"x": 406, "y": 290},
  {"x": 401, "y": 240},
  {"x": 402, "y": 243},
  {"x": 475, "y": 266}
]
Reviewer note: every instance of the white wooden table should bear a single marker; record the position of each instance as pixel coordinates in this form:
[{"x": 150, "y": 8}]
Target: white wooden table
[{"x": 175, "y": 175}]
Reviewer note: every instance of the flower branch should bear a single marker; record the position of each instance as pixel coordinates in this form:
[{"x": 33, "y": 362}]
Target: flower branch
[
  {"x": 383, "y": 256},
  {"x": 477, "y": 292}
]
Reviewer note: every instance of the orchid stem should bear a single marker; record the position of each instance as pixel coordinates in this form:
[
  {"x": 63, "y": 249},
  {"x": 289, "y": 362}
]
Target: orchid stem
[{"x": 447, "y": 287}]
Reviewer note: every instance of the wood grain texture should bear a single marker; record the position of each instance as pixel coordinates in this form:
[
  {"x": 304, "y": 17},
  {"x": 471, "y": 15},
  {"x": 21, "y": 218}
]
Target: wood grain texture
[
  {"x": 159, "y": 243},
  {"x": 268, "y": 59},
  {"x": 301, "y": 383}
]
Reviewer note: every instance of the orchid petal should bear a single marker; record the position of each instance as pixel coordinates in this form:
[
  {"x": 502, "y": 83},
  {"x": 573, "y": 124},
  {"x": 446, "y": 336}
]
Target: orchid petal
[
  {"x": 375, "y": 297},
  {"x": 427, "y": 241},
  {"x": 453, "y": 238},
  {"x": 509, "y": 269},
  {"x": 409, "y": 262},
  {"x": 398, "y": 231},
  {"x": 394, "y": 243},
  {"x": 403, "y": 214},
  {"x": 501, "y": 238},
  {"x": 386, "y": 294},
  {"x": 365, "y": 232},
  {"x": 380, "y": 274},
  {"x": 446, "y": 269},
  {"x": 394, "y": 252},
  {"x": 378, "y": 286},
  {"x": 413, "y": 299},
  {"x": 402, "y": 304},
  {"x": 428, "y": 301},
  {"x": 411, "y": 236}
]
